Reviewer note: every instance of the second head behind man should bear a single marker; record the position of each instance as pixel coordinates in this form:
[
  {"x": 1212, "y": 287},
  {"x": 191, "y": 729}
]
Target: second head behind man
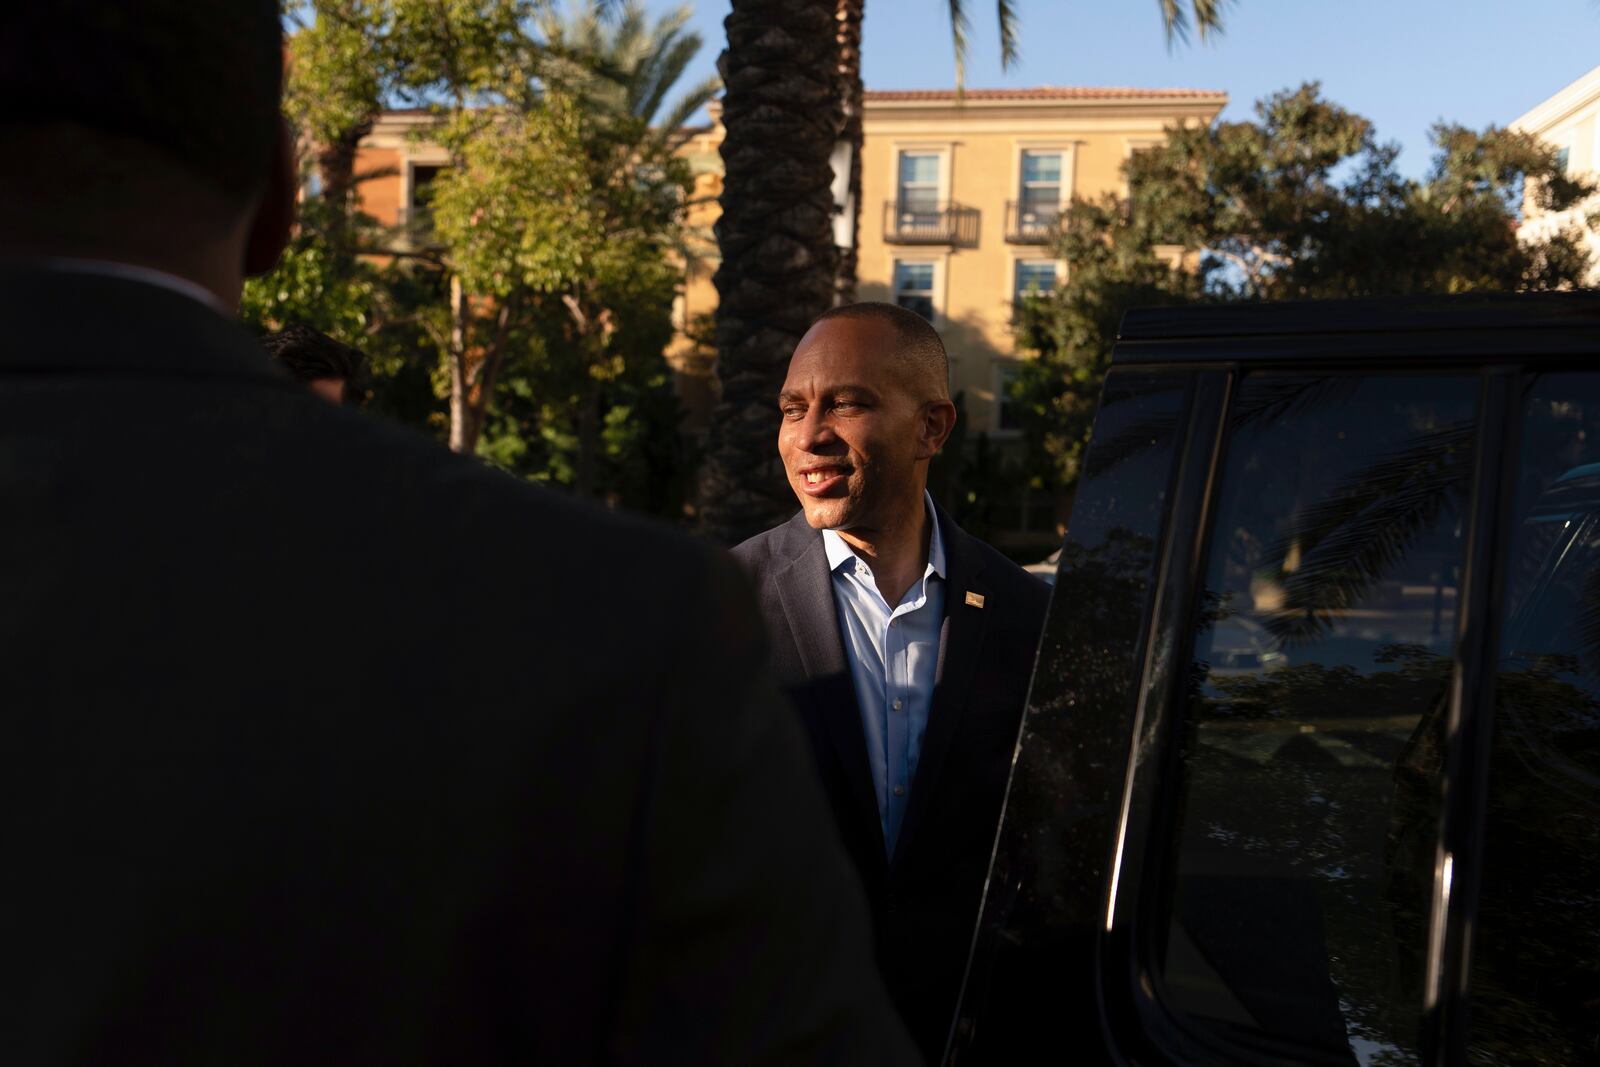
[
  {"x": 330, "y": 369},
  {"x": 905, "y": 642}
]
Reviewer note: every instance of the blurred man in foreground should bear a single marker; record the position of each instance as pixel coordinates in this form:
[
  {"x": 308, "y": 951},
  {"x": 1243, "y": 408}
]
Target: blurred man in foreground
[
  {"x": 509, "y": 823},
  {"x": 331, "y": 369},
  {"x": 906, "y": 642}
]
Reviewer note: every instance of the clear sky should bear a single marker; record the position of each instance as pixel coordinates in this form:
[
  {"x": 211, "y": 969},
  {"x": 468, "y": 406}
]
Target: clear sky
[{"x": 1405, "y": 64}]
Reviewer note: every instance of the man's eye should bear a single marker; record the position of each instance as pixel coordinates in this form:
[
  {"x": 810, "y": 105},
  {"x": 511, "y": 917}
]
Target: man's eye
[
  {"x": 844, "y": 405},
  {"x": 792, "y": 413}
]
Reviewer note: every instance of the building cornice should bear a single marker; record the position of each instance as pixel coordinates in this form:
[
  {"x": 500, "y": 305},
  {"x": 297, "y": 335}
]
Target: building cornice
[
  {"x": 942, "y": 105},
  {"x": 1041, "y": 95},
  {"x": 1557, "y": 109},
  {"x": 1100, "y": 103}
]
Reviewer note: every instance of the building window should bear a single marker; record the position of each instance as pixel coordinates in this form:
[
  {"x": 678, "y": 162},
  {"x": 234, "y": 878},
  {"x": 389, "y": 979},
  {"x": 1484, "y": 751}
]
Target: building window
[
  {"x": 1006, "y": 419},
  {"x": 919, "y": 183},
  {"x": 421, "y": 209},
  {"x": 1041, "y": 185},
  {"x": 1034, "y": 277},
  {"x": 913, "y": 287},
  {"x": 1563, "y": 157}
]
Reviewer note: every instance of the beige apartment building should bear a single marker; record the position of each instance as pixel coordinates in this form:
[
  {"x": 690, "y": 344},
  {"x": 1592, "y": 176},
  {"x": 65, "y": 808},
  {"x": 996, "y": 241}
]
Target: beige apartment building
[
  {"x": 960, "y": 200},
  {"x": 1570, "y": 121}
]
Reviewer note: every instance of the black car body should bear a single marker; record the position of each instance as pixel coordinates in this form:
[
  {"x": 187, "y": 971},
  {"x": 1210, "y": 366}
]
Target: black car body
[{"x": 1310, "y": 771}]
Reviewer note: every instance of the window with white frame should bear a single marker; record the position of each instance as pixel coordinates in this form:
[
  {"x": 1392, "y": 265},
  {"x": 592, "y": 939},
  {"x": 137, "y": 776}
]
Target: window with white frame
[
  {"x": 913, "y": 287},
  {"x": 1033, "y": 277},
  {"x": 1040, "y": 195},
  {"x": 919, "y": 184}
]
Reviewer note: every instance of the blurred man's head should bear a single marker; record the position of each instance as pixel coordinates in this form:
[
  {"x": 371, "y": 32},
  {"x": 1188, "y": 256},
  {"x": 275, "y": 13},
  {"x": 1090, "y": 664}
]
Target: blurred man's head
[
  {"x": 332, "y": 370},
  {"x": 145, "y": 133},
  {"x": 866, "y": 406}
]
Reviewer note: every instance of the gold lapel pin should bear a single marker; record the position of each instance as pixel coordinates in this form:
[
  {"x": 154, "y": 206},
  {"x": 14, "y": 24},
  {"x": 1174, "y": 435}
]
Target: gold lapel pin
[{"x": 975, "y": 599}]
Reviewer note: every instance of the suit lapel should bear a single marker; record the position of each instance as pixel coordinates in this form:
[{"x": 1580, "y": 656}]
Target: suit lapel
[
  {"x": 805, "y": 588},
  {"x": 960, "y": 640}
]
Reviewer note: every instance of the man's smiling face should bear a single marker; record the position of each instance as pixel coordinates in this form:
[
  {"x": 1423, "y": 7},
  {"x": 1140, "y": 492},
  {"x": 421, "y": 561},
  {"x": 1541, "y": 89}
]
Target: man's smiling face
[{"x": 849, "y": 438}]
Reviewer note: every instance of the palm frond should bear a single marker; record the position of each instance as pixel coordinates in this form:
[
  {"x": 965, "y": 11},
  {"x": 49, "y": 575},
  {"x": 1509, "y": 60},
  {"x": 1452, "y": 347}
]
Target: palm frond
[
  {"x": 1204, "y": 16},
  {"x": 693, "y": 99},
  {"x": 666, "y": 66},
  {"x": 1007, "y": 13},
  {"x": 1352, "y": 539},
  {"x": 1208, "y": 17},
  {"x": 960, "y": 27}
]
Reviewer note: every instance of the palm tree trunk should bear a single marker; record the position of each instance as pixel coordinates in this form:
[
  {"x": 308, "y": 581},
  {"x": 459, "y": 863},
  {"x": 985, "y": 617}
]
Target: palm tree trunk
[
  {"x": 852, "y": 96},
  {"x": 775, "y": 233}
]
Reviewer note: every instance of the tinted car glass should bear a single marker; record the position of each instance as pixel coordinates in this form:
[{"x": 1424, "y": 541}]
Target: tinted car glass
[
  {"x": 1044, "y": 893},
  {"x": 1300, "y": 876},
  {"x": 1535, "y": 977}
]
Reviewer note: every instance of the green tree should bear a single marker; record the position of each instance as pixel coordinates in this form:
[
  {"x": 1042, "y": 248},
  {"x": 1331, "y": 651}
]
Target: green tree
[
  {"x": 793, "y": 100},
  {"x": 567, "y": 214},
  {"x": 538, "y": 285},
  {"x": 1303, "y": 202}
]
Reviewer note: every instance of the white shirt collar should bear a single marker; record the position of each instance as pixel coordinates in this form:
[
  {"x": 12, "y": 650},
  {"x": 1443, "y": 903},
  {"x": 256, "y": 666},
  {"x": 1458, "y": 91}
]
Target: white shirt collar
[
  {"x": 839, "y": 552},
  {"x": 134, "y": 273}
]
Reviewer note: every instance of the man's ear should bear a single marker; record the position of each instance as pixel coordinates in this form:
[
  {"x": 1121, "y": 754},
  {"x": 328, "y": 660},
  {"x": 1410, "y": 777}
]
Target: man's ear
[
  {"x": 938, "y": 421},
  {"x": 274, "y": 217}
]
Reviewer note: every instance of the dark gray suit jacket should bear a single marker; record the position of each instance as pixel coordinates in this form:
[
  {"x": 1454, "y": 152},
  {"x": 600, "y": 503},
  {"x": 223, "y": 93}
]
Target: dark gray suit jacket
[
  {"x": 323, "y": 745},
  {"x": 925, "y": 902}
]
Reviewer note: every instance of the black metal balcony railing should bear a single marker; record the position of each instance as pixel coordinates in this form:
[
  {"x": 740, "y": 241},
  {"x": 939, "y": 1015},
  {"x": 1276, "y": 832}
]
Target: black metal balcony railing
[
  {"x": 1029, "y": 224},
  {"x": 929, "y": 224}
]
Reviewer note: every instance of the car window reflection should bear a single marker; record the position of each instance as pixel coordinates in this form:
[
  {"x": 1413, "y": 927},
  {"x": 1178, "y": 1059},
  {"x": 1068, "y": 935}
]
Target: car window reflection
[
  {"x": 1535, "y": 976},
  {"x": 1301, "y": 869}
]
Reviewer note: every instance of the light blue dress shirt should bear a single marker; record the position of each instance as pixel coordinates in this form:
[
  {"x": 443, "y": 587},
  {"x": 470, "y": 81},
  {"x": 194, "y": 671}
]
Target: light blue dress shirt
[{"x": 894, "y": 658}]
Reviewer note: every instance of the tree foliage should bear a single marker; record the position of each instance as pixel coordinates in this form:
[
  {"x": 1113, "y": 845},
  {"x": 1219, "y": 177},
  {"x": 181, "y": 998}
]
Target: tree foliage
[
  {"x": 1303, "y": 202},
  {"x": 525, "y": 312}
]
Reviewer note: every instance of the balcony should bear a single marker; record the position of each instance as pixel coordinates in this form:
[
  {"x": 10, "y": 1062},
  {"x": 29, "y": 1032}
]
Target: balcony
[
  {"x": 1030, "y": 225},
  {"x": 933, "y": 224}
]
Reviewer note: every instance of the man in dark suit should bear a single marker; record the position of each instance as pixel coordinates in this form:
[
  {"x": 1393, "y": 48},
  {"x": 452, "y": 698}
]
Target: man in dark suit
[
  {"x": 544, "y": 807},
  {"x": 906, "y": 644}
]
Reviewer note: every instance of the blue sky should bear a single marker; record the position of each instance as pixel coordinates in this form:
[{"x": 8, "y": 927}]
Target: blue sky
[{"x": 1405, "y": 64}]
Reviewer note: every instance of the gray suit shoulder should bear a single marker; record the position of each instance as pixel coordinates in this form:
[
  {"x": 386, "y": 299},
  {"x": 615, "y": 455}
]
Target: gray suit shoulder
[{"x": 759, "y": 553}]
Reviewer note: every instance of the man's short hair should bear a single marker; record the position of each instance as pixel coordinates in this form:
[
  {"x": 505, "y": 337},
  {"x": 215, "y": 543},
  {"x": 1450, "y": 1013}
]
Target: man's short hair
[
  {"x": 311, "y": 355},
  {"x": 915, "y": 338},
  {"x": 193, "y": 83}
]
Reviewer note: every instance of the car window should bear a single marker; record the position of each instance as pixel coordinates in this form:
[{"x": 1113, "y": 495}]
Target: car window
[
  {"x": 1302, "y": 851},
  {"x": 1535, "y": 975},
  {"x": 1045, "y": 886}
]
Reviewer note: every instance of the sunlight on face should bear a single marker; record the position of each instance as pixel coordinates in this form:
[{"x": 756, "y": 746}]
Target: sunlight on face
[{"x": 850, "y": 431}]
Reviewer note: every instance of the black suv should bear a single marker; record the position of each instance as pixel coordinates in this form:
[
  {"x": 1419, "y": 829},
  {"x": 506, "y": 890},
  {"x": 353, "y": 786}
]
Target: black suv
[{"x": 1310, "y": 771}]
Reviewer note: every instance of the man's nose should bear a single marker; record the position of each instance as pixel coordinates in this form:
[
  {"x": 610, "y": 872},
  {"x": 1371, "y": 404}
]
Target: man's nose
[{"x": 813, "y": 431}]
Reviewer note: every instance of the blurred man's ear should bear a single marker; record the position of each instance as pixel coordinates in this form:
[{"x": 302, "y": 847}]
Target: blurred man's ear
[
  {"x": 269, "y": 230},
  {"x": 938, "y": 421}
]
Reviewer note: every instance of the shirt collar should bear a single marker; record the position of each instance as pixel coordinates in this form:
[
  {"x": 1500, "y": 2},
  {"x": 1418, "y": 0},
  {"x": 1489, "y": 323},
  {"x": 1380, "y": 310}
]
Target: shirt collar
[
  {"x": 840, "y": 553},
  {"x": 134, "y": 273}
]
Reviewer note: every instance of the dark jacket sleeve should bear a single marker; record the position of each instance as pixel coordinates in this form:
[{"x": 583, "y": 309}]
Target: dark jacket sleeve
[{"x": 752, "y": 945}]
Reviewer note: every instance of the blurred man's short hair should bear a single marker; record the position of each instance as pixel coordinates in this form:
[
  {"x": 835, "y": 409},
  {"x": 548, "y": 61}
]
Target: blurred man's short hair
[
  {"x": 312, "y": 356},
  {"x": 114, "y": 101}
]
